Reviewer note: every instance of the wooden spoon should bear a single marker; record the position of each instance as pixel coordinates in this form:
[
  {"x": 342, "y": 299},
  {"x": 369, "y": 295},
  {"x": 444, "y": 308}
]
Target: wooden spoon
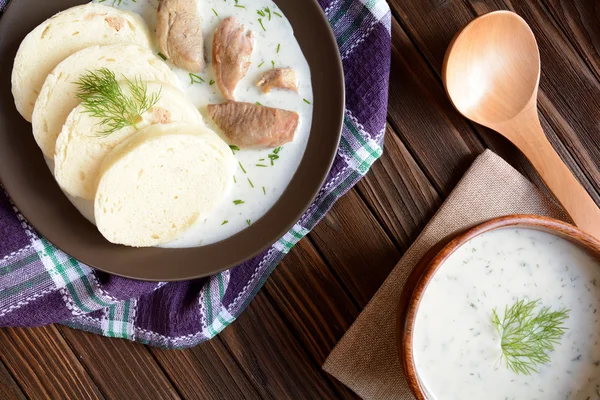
[{"x": 491, "y": 74}]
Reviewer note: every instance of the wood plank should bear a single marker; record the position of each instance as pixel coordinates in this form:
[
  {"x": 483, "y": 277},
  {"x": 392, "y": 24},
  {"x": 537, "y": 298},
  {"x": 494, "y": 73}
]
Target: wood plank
[
  {"x": 9, "y": 389},
  {"x": 44, "y": 366},
  {"x": 357, "y": 248},
  {"x": 121, "y": 369},
  {"x": 312, "y": 303},
  {"x": 269, "y": 355},
  {"x": 206, "y": 371},
  {"x": 420, "y": 113},
  {"x": 399, "y": 193},
  {"x": 580, "y": 21}
]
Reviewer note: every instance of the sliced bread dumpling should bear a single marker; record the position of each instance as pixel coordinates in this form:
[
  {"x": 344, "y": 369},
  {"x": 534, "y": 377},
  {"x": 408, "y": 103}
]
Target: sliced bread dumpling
[
  {"x": 65, "y": 33},
  {"x": 81, "y": 146},
  {"x": 159, "y": 182},
  {"x": 58, "y": 96}
]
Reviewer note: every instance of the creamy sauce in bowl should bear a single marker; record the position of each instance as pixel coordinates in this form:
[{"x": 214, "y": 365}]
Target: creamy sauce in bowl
[
  {"x": 259, "y": 181},
  {"x": 456, "y": 348}
]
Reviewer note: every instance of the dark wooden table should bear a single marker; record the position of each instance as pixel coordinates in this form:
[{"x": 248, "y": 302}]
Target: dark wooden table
[{"x": 276, "y": 348}]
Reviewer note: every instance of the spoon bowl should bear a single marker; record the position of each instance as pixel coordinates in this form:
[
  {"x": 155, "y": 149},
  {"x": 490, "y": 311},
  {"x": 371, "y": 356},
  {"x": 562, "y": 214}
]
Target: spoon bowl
[
  {"x": 492, "y": 68},
  {"x": 491, "y": 73}
]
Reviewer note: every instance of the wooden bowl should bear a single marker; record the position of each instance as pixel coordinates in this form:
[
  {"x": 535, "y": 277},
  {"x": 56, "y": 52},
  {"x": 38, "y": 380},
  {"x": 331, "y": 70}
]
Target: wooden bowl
[{"x": 437, "y": 256}]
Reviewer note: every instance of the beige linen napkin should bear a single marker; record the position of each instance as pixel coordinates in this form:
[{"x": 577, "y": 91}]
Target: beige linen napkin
[{"x": 366, "y": 359}]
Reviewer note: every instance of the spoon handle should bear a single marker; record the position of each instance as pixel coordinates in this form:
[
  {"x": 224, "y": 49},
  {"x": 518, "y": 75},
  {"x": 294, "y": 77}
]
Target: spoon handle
[{"x": 576, "y": 201}]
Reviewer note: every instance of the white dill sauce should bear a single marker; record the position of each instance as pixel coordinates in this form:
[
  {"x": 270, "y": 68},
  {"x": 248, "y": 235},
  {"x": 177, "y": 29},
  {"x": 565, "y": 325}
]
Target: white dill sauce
[
  {"x": 258, "y": 182},
  {"x": 456, "y": 347}
]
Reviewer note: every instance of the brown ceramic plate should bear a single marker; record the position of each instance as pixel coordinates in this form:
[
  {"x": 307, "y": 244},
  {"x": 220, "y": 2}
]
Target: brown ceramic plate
[
  {"x": 27, "y": 179},
  {"x": 435, "y": 258}
]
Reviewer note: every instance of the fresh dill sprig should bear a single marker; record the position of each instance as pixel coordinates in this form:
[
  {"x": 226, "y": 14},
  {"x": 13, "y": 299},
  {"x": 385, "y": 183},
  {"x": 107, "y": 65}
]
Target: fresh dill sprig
[
  {"x": 103, "y": 98},
  {"x": 527, "y": 335}
]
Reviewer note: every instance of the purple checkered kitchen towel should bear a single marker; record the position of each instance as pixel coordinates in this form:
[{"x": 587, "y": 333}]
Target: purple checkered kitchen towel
[{"x": 40, "y": 284}]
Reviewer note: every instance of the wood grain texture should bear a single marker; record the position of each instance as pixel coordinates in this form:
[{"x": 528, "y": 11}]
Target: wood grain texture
[
  {"x": 312, "y": 304},
  {"x": 580, "y": 22},
  {"x": 352, "y": 242},
  {"x": 205, "y": 372},
  {"x": 269, "y": 355},
  {"x": 275, "y": 349},
  {"x": 44, "y": 366},
  {"x": 9, "y": 389},
  {"x": 399, "y": 193},
  {"x": 119, "y": 368}
]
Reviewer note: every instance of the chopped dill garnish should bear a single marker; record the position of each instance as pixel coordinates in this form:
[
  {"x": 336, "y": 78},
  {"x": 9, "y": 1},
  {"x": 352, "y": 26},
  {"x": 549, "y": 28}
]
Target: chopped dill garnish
[
  {"x": 268, "y": 12},
  {"x": 234, "y": 180},
  {"x": 261, "y": 159},
  {"x": 238, "y": 202},
  {"x": 261, "y": 13},
  {"x": 161, "y": 55},
  {"x": 234, "y": 148},
  {"x": 261, "y": 64},
  {"x": 306, "y": 101},
  {"x": 224, "y": 222},
  {"x": 273, "y": 64},
  {"x": 264, "y": 191},
  {"x": 261, "y": 24},
  {"x": 102, "y": 97},
  {"x": 278, "y": 47},
  {"x": 258, "y": 104},
  {"x": 261, "y": 165},
  {"x": 241, "y": 166},
  {"x": 276, "y": 13},
  {"x": 239, "y": 6},
  {"x": 528, "y": 336},
  {"x": 277, "y": 150},
  {"x": 194, "y": 78},
  {"x": 212, "y": 82},
  {"x": 215, "y": 12},
  {"x": 250, "y": 182},
  {"x": 248, "y": 222}
]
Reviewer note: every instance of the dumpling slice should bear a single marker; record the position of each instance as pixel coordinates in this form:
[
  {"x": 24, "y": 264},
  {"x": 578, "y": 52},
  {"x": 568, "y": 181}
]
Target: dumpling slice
[
  {"x": 64, "y": 34},
  {"x": 159, "y": 182},
  {"x": 58, "y": 96},
  {"x": 81, "y": 146}
]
